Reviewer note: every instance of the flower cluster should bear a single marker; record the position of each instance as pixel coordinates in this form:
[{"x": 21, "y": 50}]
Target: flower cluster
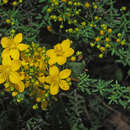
[
  {"x": 14, "y": 3},
  {"x": 71, "y": 21},
  {"x": 34, "y": 71},
  {"x": 107, "y": 39}
]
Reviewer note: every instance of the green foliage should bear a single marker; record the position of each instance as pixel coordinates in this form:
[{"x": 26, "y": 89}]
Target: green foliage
[
  {"x": 114, "y": 93},
  {"x": 76, "y": 110},
  {"x": 100, "y": 29}
]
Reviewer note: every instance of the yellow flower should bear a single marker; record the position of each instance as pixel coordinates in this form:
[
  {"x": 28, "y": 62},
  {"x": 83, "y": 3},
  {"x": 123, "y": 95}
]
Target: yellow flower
[
  {"x": 49, "y": 10},
  {"x": 76, "y": 12},
  {"x": 14, "y": 3},
  {"x": 119, "y": 34},
  {"x": 7, "y": 21},
  {"x": 123, "y": 42},
  {"x": 100, "y": 55},
  {"x": 70, "y": 30},
  {"x": 107, "y": 39},
  {"x": 83, "y": 23},
  {"x": 102, "y": 49},
  {"x": 5, "y": 1},
  {"x": 118, "y": 40},
  {"x": 13, "y": 46},
  {"x": 91, "y": 25},
  {"x": 34, "y": 107},
  {"x": 60, "y": 53},
  {"x": 18, "y": 100},
  {"x": 102, "y": 32},
  {"x": 73, "y": 58},
  {"x": 49, "y": 28},
  {"x": 87, "y": 5},
  {"x": 20, "y": 1},
  {"x": 61, "y": 26},
  {"x": 12, "y": 23},
  {"x": 64, "y": 0},
  {"x": 70, "y": 3},
  {"x": 60, "y": 19},
  {"x": 107, "y": 45},
  {"x": 12, "y": 31},
  {"x": 8, "y": 70},
  {"x": 97, "y": 39},
  {"x": 98, "y": 46},
  {"x": 123, "y": 8},
  {"x": 95, "y": 6},
  {"x": 41, "y": 79},
  {"x": 42, "y": 65},
  {"x": 57, "y": 80},
  {"x": 8, "y": 73},
  {"x": 92, "y": 44},
  {"x": 78, "y": 53},
  {"x": 14, "y": 94},
  {"x": 96, "y": 17},
  {"x": 38, "y": 99},
  {"x": 76, "y": 29},
  {"x": 104, "y": 26},
  {"x": 109, "y": 30}
]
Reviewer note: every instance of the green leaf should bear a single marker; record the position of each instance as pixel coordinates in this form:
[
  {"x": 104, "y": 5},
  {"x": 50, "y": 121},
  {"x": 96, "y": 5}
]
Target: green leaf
[
  {"x": 40, "y": 1},
  {"x": 44, "y": 8},
  {"x": 119, "y": 74},
  {"x": 77, "y": 68},
  {"x": 128, "y": 72},
  {"x": 39, "y": 16}
]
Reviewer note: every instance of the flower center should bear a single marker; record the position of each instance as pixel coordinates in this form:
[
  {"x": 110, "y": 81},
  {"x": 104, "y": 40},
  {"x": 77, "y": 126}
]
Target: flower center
[
  {"x": 59, "y": 50},
  {"x": 55, "y": 79},
  {"x": 12, "y": 44},
  {"x": 8, "y": 69}
]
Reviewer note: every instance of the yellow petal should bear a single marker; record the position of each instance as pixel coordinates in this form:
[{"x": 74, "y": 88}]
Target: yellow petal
[
  {"x": 14, "y": 53},
  {"x": 18, "y": 38},
  {"x": 4, "y": 42},
  {"x": 21, "y": 86},
  {"x": 64, "y": 85},
  {"x": 22, "y": 47},
  {"x": 2, "y": 67},
  {"x": 42, "y": 64},
  {"x": 53, "y": 70},
  {"x": 65, "y": 44},
  {"x": 61, "y": 60},
  {"x": 69, "y": 52},
  {"x": 15, "y": 65},
  {"x": 52, "y": 61},
  {"x": 58, "y": 47},
  {"x": 48, "y": 79},
  {"x": 41, "y": 79},
  {"x": 54, "y": 89},
  {"x": 5, "y": 52},
  {"x": 14, "y": 77},
  {"x": 3, "y": 77},
  {"x": 65, "y": 73},
  {"x": 6, "y": 60},
  {"x": 50, "y": 52}
]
